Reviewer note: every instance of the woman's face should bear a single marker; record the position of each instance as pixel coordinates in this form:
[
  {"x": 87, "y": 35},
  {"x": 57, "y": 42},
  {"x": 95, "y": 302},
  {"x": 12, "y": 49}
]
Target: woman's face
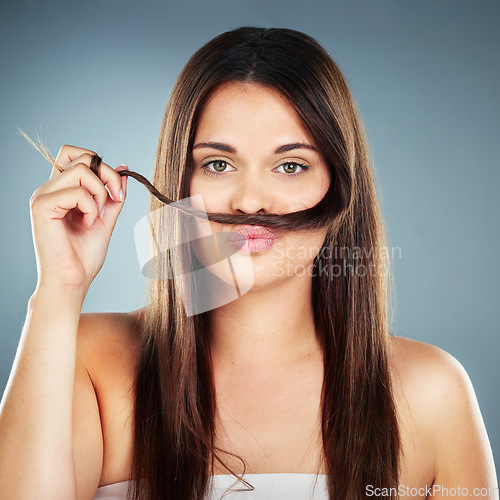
[{"x": 253, "y": 154}]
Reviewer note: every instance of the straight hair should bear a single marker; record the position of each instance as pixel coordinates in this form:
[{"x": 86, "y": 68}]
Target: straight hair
[{"x": 175, "y": 406}]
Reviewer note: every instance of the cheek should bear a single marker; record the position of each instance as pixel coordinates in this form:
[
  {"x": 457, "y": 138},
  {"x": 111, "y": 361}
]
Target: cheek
[
  {"x": 309, "y": 194},
  {"x": 206, "y": 201},
  {"x": 213, "y": 198},
  {"x": 304, "y": 246},
  {"x": 322, "y": 185},
  {"x": 201, "y": 197},
  {"x": 193, "y": 187},
  {"x": 295, "y": 252}
]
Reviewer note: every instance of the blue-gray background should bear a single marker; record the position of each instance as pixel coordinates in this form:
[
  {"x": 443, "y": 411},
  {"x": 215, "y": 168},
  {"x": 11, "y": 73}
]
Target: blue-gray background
[{"x": 97, "y": 74}]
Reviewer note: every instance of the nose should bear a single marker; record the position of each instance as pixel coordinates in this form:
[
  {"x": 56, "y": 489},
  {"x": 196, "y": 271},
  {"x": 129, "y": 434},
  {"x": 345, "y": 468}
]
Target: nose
[{"x": 251, "y": 196}]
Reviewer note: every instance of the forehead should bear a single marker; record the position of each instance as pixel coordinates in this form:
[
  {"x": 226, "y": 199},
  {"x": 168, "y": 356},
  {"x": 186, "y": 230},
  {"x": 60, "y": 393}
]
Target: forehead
[{"x": 238, "y": 107}]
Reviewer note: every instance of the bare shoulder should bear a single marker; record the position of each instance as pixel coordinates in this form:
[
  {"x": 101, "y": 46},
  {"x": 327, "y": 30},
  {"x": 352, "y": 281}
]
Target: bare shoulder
[
  {"x": 425, "y": 368},
  {"x": 107, "y": 339},
  {"x": 436, "y": 398},
  {"x": 95, "y": 327},
  {"x": 430, "y": 382}
]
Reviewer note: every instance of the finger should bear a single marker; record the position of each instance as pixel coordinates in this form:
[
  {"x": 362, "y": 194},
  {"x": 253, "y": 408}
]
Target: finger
[
  {"x": 78, "y": 175},
  {"x": 113, "y": 209},
  {"x": 111, "y": 179},
  {"x": 107, "y": 175},
  {"x": 69, "y": 155},
  {"x": 66, "y": 155},
  {"x": 55, "y": 205}
]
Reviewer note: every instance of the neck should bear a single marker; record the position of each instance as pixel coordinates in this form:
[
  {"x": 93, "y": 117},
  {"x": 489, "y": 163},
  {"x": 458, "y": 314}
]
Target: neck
[{"x": 265, "y": 327}]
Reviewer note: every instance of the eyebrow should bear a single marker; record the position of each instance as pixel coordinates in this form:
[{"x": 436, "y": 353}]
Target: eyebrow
[{"x": 219, "y": 146}]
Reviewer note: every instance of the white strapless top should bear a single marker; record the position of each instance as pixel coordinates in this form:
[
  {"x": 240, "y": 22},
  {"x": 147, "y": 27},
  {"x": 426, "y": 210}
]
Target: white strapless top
[{"x": 281, "y": 486}]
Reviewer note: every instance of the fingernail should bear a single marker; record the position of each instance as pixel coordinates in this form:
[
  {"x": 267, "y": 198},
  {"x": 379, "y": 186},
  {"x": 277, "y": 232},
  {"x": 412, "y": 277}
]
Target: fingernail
[
  {"x": 124, "y": 165},
  {"x": 103, "y": 211},
  {"x": 92, "y": 226},
  {"x": 122, "y": 195}
]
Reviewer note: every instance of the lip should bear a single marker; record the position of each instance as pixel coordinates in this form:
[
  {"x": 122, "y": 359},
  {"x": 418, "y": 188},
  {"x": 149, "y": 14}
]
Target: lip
[
  {"x": 251, "y": 232},
  {"x": 250, "y": 239}
]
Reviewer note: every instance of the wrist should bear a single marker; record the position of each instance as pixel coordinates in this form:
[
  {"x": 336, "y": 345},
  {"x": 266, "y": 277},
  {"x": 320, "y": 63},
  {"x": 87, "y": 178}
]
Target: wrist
[{"x": 59, "y": 296}]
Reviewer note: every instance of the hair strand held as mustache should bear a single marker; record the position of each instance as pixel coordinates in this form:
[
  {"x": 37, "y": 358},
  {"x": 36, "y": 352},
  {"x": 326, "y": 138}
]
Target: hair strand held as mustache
[{"x": 316, "y": 217}]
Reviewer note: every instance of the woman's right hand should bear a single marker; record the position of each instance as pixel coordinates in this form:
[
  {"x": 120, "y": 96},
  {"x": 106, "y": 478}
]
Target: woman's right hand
[{"x": 72, "y": 217}]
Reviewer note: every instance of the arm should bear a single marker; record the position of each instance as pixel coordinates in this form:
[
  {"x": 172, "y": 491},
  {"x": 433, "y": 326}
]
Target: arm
[
  {"x": 48, "y": 403},
  {"x": 36, "y": 455},
  {"x": 53, "y": 430},
  {"x": 50, "y": 435}
]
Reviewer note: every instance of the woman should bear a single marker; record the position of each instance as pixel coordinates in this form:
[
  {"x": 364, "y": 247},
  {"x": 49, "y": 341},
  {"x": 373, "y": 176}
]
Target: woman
[{"x": 295, "y": 377}]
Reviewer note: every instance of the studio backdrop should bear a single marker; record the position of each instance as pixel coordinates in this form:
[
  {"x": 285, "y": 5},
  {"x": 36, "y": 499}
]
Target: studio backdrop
[{"x": 97, "y": 75}]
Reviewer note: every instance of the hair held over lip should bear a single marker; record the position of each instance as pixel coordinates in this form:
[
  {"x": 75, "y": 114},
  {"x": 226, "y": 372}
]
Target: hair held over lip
[{"x": 316, "y": 217}]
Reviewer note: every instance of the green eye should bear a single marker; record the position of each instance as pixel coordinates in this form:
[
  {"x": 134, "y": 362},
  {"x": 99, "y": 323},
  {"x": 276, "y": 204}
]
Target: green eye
[
  {"x": 216, "y": 167},
  {"x": 219, "y": 165},
  {"x": 291, "y": 167}
]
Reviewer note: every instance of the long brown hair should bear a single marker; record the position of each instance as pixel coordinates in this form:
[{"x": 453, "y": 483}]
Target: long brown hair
[{"x": 175, "y": 407}]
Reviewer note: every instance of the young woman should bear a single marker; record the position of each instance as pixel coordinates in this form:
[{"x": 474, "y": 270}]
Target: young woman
[{"x": 296, "y": 383}]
